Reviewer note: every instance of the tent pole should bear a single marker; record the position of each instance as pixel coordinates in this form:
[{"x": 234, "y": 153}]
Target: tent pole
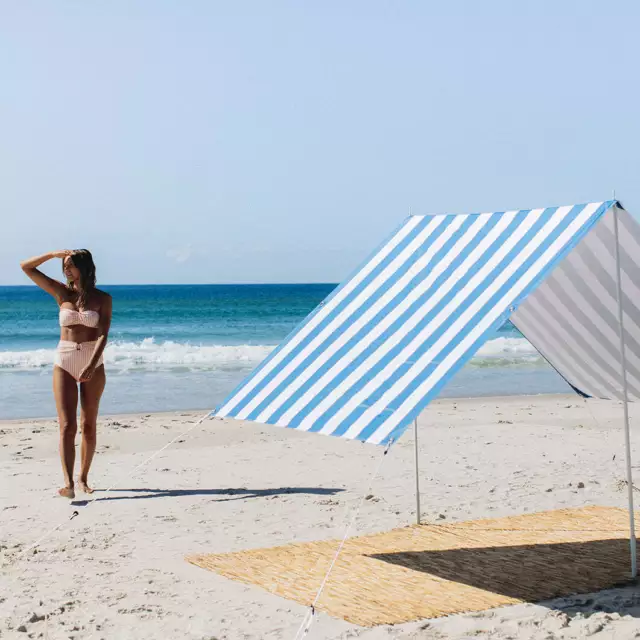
[
  {"x": 625, "y": 398},
  {"x": 415, "y": 434}
]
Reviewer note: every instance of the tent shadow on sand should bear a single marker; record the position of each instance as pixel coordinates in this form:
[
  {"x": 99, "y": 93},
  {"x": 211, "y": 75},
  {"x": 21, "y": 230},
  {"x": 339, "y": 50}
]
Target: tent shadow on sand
[
  {"x": 531, "y": 573},
  {"x": 233, "y": 494}
]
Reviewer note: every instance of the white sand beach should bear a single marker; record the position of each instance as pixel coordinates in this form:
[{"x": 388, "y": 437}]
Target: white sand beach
[{"x": 117, "y": 570}]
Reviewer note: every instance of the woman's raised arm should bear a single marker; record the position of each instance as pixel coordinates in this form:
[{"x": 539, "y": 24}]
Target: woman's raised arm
[{"x": 51, "y": 286}]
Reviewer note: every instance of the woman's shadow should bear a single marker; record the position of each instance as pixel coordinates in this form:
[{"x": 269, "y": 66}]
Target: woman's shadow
[{"x": 225, "y": 494}]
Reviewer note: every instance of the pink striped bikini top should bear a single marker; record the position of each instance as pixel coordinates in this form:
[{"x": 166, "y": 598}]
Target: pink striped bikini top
[{"x": 69, "y": 317}]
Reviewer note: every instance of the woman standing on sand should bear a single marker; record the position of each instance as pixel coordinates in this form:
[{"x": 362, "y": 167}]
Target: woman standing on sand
[{"x": 85, "y": 318}]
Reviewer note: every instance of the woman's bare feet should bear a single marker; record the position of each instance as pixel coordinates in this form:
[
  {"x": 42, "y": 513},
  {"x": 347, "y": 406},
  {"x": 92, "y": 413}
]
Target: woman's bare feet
[
  {"x": 84, "y": 487},
  {"x": 67, "y": 492}
]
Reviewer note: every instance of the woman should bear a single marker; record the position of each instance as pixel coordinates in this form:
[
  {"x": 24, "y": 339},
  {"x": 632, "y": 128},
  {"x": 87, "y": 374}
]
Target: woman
[{"x": 85, "y": 318}]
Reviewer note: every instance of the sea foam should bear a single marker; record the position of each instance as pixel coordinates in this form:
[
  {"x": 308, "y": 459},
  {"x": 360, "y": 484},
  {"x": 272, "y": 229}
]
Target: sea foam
[{"x": 149, "y": 355}]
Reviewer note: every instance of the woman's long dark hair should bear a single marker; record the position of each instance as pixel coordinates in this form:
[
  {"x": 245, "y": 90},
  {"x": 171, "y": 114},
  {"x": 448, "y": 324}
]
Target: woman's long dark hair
[{"x": 83, "y": 262}]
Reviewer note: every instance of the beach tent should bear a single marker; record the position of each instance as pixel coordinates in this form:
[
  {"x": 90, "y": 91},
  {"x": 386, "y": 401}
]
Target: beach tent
[{"x": 373, "y": 355}]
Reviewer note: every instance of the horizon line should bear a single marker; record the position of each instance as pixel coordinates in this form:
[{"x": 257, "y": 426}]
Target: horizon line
[{"x": 190, "y": 284}]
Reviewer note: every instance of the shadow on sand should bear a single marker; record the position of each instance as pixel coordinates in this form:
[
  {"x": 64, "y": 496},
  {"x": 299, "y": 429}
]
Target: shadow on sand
[
  {"x": 226, "y": 494},
  {"x": 534, "y": 573}
]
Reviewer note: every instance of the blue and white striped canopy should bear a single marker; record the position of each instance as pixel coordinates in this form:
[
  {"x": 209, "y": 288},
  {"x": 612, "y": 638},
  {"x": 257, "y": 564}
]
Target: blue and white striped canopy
[{"x": 384, "y": 343}]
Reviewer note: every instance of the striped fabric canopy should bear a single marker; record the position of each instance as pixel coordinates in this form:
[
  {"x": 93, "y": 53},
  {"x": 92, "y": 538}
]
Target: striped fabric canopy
[
  {"x": 384, "y": 343},
  {"x": 572, "y": 317}
]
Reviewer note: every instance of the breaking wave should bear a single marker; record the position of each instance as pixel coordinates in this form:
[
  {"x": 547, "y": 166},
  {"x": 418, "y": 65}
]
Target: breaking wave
[{"x": 149, "y": 355}]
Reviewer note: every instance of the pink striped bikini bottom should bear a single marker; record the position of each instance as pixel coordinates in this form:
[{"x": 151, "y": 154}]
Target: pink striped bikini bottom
[{"x": 73, "y": 357}]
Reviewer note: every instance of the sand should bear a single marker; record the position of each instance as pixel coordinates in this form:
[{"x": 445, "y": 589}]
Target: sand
[{"x": 117, "y": 569}]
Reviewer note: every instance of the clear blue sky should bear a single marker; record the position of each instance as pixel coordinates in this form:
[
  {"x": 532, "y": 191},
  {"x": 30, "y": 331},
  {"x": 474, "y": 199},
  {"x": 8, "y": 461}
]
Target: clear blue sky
[{"x": 273, "y": 141}]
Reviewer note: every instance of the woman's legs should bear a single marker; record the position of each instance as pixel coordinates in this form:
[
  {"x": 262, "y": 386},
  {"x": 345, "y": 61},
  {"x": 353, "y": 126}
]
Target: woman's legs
[
  {"x": 65, "y": 391},
  {"x": 90, "y": 394}
]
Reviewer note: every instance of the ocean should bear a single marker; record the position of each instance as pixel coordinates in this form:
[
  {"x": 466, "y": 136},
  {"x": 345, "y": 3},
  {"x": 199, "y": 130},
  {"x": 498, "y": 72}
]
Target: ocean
[{"x": 175, "y": 347}]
